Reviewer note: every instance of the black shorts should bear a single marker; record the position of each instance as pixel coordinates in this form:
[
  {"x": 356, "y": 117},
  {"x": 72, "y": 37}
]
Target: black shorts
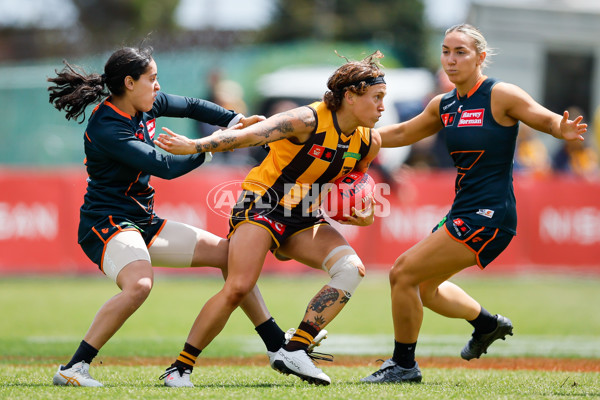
[
  {"x": 486, "y": 242},
  {"x": 281, "y": 228},
  {"x": 93, "y": 239}
]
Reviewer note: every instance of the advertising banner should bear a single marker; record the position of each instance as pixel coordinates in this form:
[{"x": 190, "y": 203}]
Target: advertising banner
[{"x": 558, "y": 228}]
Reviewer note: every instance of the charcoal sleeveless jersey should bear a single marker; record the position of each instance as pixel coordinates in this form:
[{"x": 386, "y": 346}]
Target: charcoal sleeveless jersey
[
  {"x": 482, "y": 151},
  {"x": 121, "y": 157},
  {"x": 292, "y": 176}
]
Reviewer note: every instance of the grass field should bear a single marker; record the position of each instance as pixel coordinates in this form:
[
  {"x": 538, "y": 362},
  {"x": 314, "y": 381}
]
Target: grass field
[{"x": 555, "y": 319}]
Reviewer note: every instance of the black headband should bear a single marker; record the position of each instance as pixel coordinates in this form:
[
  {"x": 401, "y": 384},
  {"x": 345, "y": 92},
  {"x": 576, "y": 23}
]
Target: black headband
[{"x": 369, "y": 81}]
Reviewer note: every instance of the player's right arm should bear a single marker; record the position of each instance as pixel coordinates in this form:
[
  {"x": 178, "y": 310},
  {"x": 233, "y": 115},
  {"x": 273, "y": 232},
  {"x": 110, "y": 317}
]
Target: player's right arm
[
  {"x": 118, "y": 143},
  {"x": 423, "y": 125},
  {"x": 296, "y": 125}
]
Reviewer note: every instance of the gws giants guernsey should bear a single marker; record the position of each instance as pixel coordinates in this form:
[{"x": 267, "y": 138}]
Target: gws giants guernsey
[
  {"x": 121, "y": 157},
  {"x": 483, "y": 152},
  {"x": 292, "y": 176}
]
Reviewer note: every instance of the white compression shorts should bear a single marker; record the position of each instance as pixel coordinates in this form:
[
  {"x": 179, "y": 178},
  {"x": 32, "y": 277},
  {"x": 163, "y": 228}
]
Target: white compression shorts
[{"x": 173, "y": 247}]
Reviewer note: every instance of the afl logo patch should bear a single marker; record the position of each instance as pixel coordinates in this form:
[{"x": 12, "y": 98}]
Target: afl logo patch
[
  {"x": 460, "y": 227},
  {"x": 322, "y": 153}
]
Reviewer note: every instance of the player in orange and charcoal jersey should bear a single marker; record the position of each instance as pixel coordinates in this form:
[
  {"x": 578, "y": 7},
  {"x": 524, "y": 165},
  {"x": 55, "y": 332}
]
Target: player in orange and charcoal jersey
[
  {"x": 480, "y": 119},
  {"x": 118, "y": 229},
  {"x": 279, "y": 210}
]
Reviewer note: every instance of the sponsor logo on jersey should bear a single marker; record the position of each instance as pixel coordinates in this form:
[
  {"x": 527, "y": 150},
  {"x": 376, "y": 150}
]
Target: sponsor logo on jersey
[
  {"x": 460, "y": 227},
  {"x": 448, "y": 119},
  {"x": 349, "y": 154},
  {"x": 471, "y": 118},
  {"x": 277, "y": 226},
  {"x": 322, "y": 153},
  {"x": 447, "y": 106},
  {"x": 139, "y": 133},
  {"x": 151, "y": 126},
  {"x": 485, "y": 212}
]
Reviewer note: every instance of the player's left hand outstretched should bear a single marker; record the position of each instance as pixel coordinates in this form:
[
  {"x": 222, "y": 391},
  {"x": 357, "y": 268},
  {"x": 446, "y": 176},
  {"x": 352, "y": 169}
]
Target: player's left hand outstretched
[
  {"x": 362, "y": 217},
  {"x": 175, "y": 143},
  {"x": 572, "y": 129}
]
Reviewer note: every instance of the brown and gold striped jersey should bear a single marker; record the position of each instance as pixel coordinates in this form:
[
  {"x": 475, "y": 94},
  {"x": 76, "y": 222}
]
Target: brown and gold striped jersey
[{"x": 296, "y": 173}]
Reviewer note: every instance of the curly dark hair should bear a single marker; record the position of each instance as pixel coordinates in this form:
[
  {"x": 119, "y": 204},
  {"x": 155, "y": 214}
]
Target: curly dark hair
[{"x": 351, "y": 76}]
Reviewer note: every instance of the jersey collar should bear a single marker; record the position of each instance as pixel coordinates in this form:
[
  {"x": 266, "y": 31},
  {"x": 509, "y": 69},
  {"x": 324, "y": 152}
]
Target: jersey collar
[{"x": 473, "y": 89}]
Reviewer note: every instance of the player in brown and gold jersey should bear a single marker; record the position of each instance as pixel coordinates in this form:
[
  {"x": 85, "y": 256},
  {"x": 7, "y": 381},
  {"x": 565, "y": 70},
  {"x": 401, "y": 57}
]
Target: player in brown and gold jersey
[{"x": 279, "y": 211}]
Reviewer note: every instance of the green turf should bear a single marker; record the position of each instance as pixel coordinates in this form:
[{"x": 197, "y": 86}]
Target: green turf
[
  {"x": 48, "y": 317},
  {"x": 44, "y": 319},
  {"x": 245, "y": 383}
]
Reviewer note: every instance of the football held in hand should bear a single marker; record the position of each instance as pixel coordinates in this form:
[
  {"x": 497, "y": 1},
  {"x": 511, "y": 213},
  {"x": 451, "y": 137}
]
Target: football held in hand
[{"x": 350, "y": 191}]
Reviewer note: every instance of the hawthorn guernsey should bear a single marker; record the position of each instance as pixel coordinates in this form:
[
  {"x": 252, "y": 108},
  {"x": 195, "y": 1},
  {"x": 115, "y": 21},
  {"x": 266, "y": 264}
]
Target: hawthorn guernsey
[{"x": 351, "y": 190}]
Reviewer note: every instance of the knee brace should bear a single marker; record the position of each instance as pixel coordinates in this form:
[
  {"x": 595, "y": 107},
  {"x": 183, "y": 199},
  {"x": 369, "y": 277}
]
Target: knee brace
[{"x": 346, "y": 271}]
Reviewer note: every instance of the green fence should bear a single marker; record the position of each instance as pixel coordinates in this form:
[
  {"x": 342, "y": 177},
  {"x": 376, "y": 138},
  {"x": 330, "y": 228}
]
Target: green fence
[{"x": 35, "y": 134}]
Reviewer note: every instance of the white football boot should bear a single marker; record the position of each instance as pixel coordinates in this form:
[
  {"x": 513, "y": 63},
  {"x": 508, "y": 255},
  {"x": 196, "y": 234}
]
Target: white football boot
[
  {"x": 300, "y": 364},
  {"x": 77, "y": 375},
  {"x": 174, "y": 378},
  {"x": 288, "y": 336}
]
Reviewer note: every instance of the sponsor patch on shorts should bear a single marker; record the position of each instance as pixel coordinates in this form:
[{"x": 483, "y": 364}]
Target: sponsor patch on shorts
[
  {"x": 460, "y": 227},
  {"x": 486, "y": 212},
  {"x": 276, "y": 226}
]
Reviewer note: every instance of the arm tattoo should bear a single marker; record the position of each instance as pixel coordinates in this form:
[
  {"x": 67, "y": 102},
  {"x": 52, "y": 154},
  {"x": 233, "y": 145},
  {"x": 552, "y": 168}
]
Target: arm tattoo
[
  {"x": 223, "y": 142},
  {"x": 309, "y": 120},
  {"x": 346, "y": 298},
  {"x": 281, "y": 126}
]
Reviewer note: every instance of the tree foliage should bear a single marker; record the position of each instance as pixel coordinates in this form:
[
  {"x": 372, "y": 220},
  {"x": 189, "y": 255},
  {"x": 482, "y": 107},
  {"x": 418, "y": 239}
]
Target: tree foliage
[
  {"x": 113, "y": 21},
  {"x": 397, "y": 23},
  {"x": 102, "y": 25}
]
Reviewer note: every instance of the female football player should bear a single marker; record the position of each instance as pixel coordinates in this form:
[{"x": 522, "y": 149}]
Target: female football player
[
  {"x": 480, "y": 118},
  {"x": 278, "y": 209},
  {"x": 118, "y": 229}
]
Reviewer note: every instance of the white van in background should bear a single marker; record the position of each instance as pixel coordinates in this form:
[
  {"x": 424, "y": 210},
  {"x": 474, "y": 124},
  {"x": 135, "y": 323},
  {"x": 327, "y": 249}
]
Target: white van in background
[{"x": 408, "y": 89}]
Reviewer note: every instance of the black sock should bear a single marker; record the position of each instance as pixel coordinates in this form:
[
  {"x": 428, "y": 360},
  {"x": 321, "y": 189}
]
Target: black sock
[
  {"x": 271, "y": 334},
  {"x": 85, "y": 352},
  {"x": 187, "y": 357},
  {"x": 485, "y": 322},
  {"x": 404, "y": 354}
]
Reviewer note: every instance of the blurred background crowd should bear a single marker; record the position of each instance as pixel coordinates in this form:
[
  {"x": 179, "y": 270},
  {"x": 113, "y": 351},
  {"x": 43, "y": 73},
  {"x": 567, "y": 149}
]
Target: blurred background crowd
[{"x": 266, "y": 56}]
